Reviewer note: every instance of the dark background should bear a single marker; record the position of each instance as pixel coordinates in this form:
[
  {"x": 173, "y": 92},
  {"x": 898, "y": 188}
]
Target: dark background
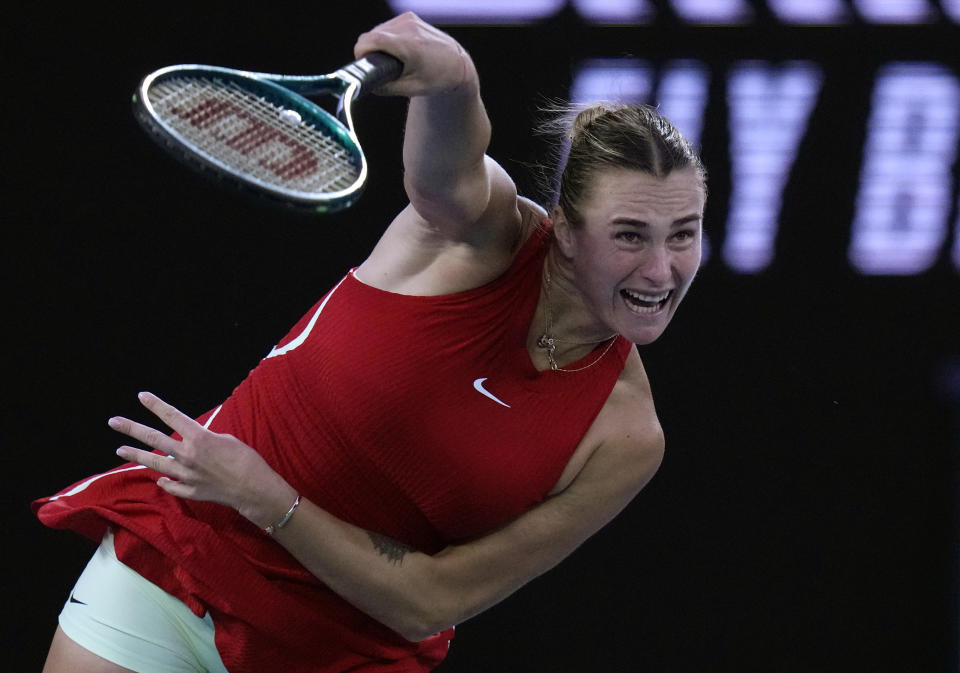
[{"x": 805, "y": 517}]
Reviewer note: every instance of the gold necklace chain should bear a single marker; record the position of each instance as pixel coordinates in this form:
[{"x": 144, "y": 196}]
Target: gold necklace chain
[{"x": 549, "y": 343}]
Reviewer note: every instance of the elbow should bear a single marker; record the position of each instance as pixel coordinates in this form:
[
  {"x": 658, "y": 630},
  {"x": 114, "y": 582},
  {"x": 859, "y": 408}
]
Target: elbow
[
  {"x": 454, "y": 208},
  {"x": 418, "y": 633},
  {"x": 426, "y": 612},
  {"x": 448, "y": 197},
  {"x": 421, "y": 624}
]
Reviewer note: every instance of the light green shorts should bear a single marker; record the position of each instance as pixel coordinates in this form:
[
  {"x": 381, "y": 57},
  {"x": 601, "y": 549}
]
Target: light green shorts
[{"x": 117, "y": 614}]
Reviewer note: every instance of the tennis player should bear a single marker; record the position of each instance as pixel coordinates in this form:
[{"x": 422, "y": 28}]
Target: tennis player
[{"x": 450, "y": 421}]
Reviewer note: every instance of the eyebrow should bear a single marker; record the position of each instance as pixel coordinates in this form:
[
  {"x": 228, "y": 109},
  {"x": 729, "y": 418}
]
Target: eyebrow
[{"x": 676, "y": 223}]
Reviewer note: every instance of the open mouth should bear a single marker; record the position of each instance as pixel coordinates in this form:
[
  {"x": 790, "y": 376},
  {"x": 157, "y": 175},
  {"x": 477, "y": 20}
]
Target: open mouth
[{"x": 645, "y": 304}]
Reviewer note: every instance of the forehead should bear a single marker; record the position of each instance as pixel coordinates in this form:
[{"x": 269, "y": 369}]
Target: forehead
[{"x": 619, "y": 192}]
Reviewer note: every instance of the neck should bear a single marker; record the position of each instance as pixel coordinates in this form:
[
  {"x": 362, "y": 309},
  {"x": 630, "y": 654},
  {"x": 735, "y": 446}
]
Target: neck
[
  {"x": 569, "y": 318},
  {"x": 563, "y": 330}
]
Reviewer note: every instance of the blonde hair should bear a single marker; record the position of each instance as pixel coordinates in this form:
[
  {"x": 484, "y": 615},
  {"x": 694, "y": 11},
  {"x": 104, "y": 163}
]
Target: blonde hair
[{"x": 616, "y": 135}]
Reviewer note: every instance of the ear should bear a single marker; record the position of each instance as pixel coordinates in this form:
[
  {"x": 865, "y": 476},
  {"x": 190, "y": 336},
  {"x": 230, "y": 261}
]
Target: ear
[{"x": 563, "y": 232}]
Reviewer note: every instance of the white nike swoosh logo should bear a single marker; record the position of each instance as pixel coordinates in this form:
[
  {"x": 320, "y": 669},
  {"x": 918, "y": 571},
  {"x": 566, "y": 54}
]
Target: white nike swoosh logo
[{"x": 478, "y": 386}]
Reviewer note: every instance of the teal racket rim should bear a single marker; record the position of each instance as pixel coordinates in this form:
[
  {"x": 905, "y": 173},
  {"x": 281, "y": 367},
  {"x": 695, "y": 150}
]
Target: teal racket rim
[{"x": 256, "y": 133}]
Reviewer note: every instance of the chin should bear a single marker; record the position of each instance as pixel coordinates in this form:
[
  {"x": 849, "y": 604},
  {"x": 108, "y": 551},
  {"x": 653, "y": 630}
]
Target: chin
[
  {"x": 646, "y": 340},
  {"x": 644, "y": 322},
  {"x": 645, "y": 335}
]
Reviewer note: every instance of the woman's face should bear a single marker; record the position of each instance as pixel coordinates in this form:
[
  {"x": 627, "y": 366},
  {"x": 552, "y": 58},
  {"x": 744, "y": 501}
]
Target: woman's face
[{"x": 636, "y": 249}]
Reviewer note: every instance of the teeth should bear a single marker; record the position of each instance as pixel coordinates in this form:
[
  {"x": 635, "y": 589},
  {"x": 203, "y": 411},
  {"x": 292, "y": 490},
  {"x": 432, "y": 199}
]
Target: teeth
[
  {"x": 645, "y": 303},
  {"x": 654, "y": 299}
]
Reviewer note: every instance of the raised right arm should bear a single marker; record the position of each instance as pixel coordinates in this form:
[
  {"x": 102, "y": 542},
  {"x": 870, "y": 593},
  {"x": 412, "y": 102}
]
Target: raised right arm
[
  {"x": 463, "y": 222},
  {"x": 447, "y": 129}
]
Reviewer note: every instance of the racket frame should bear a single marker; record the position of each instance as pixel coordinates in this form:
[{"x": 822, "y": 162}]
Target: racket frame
[{"x": 289, "y": 92}]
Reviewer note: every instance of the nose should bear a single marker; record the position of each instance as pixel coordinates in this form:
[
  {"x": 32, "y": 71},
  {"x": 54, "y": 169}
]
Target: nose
[{"x": 655, "y": 267}]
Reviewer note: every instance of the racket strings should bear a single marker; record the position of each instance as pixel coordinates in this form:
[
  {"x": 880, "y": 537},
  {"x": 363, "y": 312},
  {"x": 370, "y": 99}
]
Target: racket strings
[{"x": 253, "y": 136}]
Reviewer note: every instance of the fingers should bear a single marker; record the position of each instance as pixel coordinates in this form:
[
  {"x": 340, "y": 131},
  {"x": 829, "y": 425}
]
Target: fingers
[
  {"x": 184, "y": 476},
  {"x": 163, "y": 464},
  {"x": 155, "y": 439},
  {"x": 174, "y": 473},
  {"x": 433, "y": 62},
  {"x": 177, "y": 488},
  {"x": 171, "y": 416},
  {"x": 149, "y": 436},
  {"x": 384, "y": 35}
]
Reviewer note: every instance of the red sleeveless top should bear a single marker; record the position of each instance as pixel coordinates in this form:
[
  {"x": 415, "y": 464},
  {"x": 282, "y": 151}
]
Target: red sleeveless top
[{"x": 421, "y": 418}]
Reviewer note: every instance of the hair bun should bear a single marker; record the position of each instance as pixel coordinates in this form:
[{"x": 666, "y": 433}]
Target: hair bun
[{"x": 586, "y": 117}]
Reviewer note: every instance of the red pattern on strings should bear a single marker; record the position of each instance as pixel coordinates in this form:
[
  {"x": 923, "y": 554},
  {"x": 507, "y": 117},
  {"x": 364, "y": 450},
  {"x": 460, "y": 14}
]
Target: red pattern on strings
[{"x": 301, "y": 160}]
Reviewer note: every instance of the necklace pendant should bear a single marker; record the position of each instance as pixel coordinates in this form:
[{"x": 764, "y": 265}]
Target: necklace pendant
[
  {"x": 546, "y": 342},
  {"x": 549, "y": 343}
]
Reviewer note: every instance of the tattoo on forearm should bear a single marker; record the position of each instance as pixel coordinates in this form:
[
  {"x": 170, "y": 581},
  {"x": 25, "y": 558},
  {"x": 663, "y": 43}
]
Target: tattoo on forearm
[{"x": 393, "y": 550}]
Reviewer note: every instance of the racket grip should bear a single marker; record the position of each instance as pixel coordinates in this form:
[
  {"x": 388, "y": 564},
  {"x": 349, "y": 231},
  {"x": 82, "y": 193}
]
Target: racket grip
[{"x": 374, "y": 69}]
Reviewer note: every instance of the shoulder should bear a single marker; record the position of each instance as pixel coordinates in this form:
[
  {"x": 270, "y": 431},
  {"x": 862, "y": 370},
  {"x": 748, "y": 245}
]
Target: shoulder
[
  {"x": 418, "y": 258},
  {"x": 532, "y": 218},
  {"x": 625, "y": 444},
  {"x": 627, "y": 429},
  {"x": 632, "y": 393}
]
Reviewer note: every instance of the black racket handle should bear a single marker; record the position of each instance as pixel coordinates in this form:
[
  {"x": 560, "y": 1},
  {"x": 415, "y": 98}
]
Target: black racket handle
[{"x": 374, "y": 69}]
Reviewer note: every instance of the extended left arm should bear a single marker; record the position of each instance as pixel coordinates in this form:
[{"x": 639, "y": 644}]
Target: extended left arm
[{"x": 413, "y": 593}]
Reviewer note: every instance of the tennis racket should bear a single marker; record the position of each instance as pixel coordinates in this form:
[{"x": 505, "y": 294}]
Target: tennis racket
[{"x": 259, "y": 132}]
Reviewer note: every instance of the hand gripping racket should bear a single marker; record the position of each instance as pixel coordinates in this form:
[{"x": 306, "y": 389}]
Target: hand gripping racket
[{"x": 259, "y": 132}]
